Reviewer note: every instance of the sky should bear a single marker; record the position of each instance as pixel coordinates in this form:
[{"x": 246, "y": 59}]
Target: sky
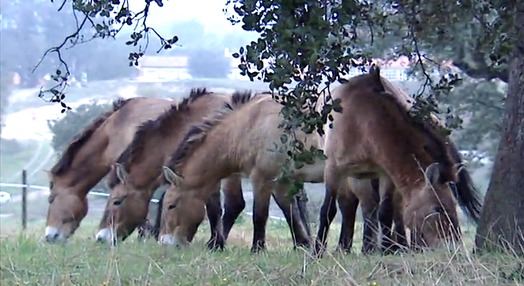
[{"x": 208, "y": 12}]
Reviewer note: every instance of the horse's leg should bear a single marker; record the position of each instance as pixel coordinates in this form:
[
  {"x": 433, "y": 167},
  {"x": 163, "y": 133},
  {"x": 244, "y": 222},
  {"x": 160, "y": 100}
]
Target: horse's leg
[
  {"x": 234, "y": 202},
  {"x": 329, "y": 208},
  {"x": 399, "y": 232},
  {"x": 386, "y": 189},
  {"x": 297, "y": 226},
  {"x": 262, "y": 190},
  {"x": 214, "y": 213},
  {"x": 368, "y": 193},
  {"x": 348, "y": 204}
]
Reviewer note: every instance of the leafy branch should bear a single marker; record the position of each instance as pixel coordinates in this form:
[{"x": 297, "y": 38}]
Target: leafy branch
[
  {"x": 115, "y": 15},
  {"x": 311, "y": 45}
]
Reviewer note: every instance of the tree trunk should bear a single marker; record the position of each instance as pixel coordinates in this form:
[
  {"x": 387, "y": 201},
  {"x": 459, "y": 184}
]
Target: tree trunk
[{"x": 502, "y": 221}]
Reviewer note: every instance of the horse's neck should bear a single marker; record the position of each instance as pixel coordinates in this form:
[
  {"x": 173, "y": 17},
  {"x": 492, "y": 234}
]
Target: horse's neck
[
  {"x": 408, "y": 176},
  {"x": 89, "y": 165}
]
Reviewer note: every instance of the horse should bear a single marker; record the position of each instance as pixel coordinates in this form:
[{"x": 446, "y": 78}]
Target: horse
[
  {"x": 134, "y": 177},
  {"x": 239, "y": 139},
  {"x": 467, "y": 195},
  {"x": 374, "y": 137},
  {"x": 87, "y": 160}
]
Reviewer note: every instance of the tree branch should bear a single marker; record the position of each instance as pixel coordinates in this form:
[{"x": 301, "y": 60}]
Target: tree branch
[
  {"x": 480, "y": 69},
  {"x": 57, "y": 48}
]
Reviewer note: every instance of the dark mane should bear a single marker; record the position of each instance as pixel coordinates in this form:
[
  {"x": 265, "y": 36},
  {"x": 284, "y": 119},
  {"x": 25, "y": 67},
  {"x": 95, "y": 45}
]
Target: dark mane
[
  {"x": 80, "y": 139},
  {"x": 135, "y": 149},
  {"x": 445, "y": 152},
  {"x": 437, "y": 147},
  {"x": 196, "y": 135}
]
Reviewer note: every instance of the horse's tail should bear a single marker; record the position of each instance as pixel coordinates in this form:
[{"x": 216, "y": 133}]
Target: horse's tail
[{"x": 467, "y": 195}]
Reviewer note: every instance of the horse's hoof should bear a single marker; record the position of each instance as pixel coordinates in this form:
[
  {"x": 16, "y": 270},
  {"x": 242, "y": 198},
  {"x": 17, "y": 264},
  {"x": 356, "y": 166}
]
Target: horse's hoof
[
  {"x": 258, "y": 248},
  {"x": 304, "y": 245},
  {"x": 215, "y": 244},
  {"x": 318, "y": 251}
]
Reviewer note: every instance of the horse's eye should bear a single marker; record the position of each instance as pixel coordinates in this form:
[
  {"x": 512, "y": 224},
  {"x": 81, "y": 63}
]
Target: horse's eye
[
  {"x": 118, "y": 201},
  {"x": 439, "y": 210},
  {"x": 171, "y": 207}
]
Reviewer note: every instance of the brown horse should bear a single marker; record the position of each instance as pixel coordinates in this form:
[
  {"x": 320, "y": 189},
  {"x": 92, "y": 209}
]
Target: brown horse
[
  {"x": 467, "y": 195},
  {"x": 375, "y": 138},
  {"x": 87, "y": 160},
  {"x": 240, "y": 139},
  {"x": 134, "y": 178}
]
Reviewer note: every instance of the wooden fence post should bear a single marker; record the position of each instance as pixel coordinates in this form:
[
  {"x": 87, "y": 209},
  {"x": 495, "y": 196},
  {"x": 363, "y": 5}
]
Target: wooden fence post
[{"x": 24, "y": 199}]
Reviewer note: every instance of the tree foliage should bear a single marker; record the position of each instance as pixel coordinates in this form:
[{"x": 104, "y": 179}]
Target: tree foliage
[
  {"x": 481, "y": 104},
  {"x": 72, "y": 123}
]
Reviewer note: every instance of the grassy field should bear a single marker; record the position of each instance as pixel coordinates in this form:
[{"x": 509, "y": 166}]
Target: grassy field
[{"x": 26, "y": 260}]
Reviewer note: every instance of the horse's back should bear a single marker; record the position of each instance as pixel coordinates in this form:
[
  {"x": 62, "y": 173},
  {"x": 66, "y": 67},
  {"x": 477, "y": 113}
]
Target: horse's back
[{"x": 122, "y": 125}]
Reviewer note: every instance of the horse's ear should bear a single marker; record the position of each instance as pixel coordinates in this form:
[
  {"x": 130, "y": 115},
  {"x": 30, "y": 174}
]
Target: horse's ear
[
  {"x": 121, "y": 173},
  {"x": 375, "y": 70},
  {"x": 459, "y": 167},
  {"x": 433, "y": 173},
  {"x": 375, "y": 73},
  {"x": 171, "y": 176}
]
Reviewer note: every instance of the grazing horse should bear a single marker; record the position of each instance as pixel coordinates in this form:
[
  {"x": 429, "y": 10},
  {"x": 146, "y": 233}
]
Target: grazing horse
[
  {"x": 242, "y": 138},
  {"x": 469, "y": 198},
  {"x": 87, "y": 160},
  {"x": 135, "y": 175},
  {"x": 374, "y": 137}
]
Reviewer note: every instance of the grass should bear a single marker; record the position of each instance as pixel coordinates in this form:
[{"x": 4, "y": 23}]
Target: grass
[{"x": 26, "y": 260}]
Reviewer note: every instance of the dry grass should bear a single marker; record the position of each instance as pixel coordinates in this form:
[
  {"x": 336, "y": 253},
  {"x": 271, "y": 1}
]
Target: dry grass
[{"x": 27, "y": 260}]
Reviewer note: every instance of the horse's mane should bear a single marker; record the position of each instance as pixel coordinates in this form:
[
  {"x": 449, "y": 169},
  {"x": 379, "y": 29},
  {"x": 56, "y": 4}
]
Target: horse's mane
[
  {"x": 136, "y": 148},
  {"x": 80, "y": 139},
  {"x": 468, "y": 196},
  {"x": 196, "y": 135},
  {"x": 438, "y": 150}
]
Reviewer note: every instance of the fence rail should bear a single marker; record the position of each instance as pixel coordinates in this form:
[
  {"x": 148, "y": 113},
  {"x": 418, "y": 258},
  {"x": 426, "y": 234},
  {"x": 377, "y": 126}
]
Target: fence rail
[
  {"x": 29, "y": 186},
  {"x": 25, "y": 187}
]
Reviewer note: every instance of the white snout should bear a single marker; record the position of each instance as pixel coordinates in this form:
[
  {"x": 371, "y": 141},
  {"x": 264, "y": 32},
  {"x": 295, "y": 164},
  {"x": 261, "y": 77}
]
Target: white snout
[
  {"x": 106, "y": 235},
  {"x": 53, "y": 234},
  {"x": 167, "y": 239}
]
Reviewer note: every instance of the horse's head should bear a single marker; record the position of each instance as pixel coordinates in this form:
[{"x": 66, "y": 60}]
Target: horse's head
[
  {"x": 182, "y": 212},
  {"x": 67, "y": 208},
  {"x": 126, "y": 209},
  {"x": 431, "y": 214}
]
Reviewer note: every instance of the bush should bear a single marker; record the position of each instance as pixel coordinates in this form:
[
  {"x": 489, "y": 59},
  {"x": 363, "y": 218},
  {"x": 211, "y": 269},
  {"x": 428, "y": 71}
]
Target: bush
[{"x": 73, "y": 123}]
